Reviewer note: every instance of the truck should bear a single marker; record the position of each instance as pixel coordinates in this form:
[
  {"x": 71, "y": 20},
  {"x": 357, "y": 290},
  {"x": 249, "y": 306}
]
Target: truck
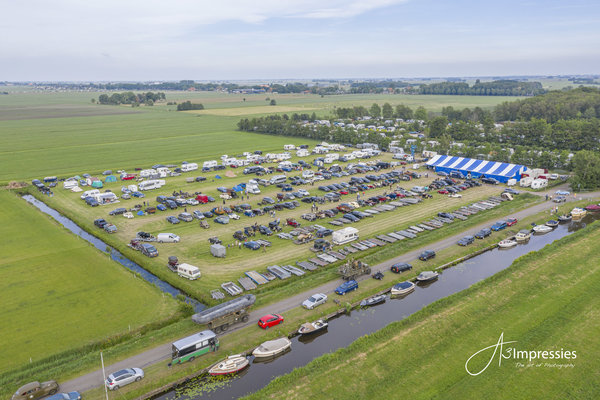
[
  {"x": 219, "y": 318},
  {"x": 353, "y": 268}
]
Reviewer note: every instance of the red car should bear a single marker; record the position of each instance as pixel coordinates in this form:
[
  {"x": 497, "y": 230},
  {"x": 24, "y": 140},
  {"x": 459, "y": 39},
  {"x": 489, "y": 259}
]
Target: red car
[
  {"x": 443, "y": 191},
  {"x": 128, "y": 177},
  {"x": 270, "y": 320},
  {"x": 292, "y": 222},
  {"x": 511, "y": 221},
  {"x": 343, "y": 192}
]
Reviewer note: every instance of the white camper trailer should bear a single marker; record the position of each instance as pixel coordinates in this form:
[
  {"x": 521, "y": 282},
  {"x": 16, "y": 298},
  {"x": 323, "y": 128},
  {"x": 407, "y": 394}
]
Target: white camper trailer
[
  {"x": 188, "y": 271},
  {"x": 289, "y": 147},
  {"x": 90, "y": 193},
  {"x": 146, "y": 173},
  {"x": 302, "y": 153},
  {"x": 307, "y": 174},
  {"x": 189, "y": 167},
  {"x": 209, "y": 164},
  {"x": 163, "y": 172},
  {"x": 151, "y": 184},
  {"x": 539, "y": 183},
  {"x": 525, "y": 181},
  {"x": 345, "y": 235}
]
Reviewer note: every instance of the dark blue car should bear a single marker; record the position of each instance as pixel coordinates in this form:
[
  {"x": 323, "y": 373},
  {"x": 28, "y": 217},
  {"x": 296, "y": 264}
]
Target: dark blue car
[{"x": 347, "y": 287}]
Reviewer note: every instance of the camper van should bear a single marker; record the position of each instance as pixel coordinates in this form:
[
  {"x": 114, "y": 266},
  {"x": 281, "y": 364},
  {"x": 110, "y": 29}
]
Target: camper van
[
  {"x": 525, "y": 181},
  {"x": 344, "y": 235},
  {"x": 167, "y": 238},
  {"x": 147, "y": 173},
  {"x": 539, "y": 183},
  {"x": 278, "y": 179},
  {"x": 90, "y": 193},
  {"x": 209, "y": 164},
  {"x": 188, "y": 271},
  {"x": 151, "y": 184},
  {"x": 189, "y": 167}
]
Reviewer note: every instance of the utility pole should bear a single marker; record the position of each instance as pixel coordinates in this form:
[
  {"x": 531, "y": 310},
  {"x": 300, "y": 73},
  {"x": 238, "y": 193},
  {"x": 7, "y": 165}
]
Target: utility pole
[{"x": 103, "y": 375}]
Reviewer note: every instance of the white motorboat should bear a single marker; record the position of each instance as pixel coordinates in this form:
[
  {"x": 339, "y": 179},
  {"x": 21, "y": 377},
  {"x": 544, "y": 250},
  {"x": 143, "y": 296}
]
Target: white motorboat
[
  {"x": 506, "y": 243},
  {"x": 313, "y": 327},
  {"x": 272, "y": 348},
  {"x": 427, "y": 276},
  {"x": 523, "y": 235},
  {"x": 541, "y": 229},
  {"x": 402, "y": 288},
  {"x": 230, "y": 365}
]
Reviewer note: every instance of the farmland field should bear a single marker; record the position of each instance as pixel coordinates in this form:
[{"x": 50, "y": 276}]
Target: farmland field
[
  {"x": 547, "y": 300},
  {"x": 58, "y": 293},
  {"x": 64, "y": 134}
]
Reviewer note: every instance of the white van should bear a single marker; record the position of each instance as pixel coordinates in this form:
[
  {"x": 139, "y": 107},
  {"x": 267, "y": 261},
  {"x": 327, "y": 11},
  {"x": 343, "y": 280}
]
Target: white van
[
  {"x": 189, "y": 167},
  {"x": 278, "y": 179},
  {"x": 90, "y": 193},
  {"x": 188, "y": 271},
  {"x": 167, "y": 238},
  {"x": 209, "y": 164},
  {"x": 253, "y": 189}
]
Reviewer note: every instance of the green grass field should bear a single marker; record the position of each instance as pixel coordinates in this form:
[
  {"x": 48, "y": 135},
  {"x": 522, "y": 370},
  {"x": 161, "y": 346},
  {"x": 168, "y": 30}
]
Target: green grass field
[
  {"x": 65, "y": 134},
  {"x": 547, "y": 300},
  {"x": 57, "y": 292}
]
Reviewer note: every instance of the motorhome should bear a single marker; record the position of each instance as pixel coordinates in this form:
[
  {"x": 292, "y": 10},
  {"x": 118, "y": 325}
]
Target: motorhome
[
  {"x": 188, "y": 271},
  {"x": 209, "y": 164},
  {"x": 344, "y": 235},
  {"x": 151, "y": 184},
  {"x": 189, "y": 167},
  {"x": 278, "y": 179}
]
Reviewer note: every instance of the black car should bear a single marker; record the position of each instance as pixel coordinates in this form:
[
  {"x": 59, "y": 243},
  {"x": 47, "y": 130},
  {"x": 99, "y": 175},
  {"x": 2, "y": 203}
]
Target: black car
[
  {"x": 324, "y": 232},
  {"x": 90, "y": 201},
  {"x": 265, "y": 230},
  {"x": 351, "y": 217},
  {"x": 467, "y": 240},
  {"x": 490, "y": 181},
  {"x": 118, "y": 211},
  {"x": 485, "y": 232},
  {"x": 446, "y": 215},
  {"x": 426, "y": 255},
  {"x": 100, "y": 222},
  {"x": 400, "y": 267}
]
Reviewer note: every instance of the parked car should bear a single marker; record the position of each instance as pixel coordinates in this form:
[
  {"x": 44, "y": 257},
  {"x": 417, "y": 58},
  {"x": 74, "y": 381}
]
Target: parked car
[
  {"x": 222, "y": 219},
  {"x": 186, "y": 217},
  {"x": 485, "y": 232},
  {"x": 314, "y": 301},
  {"x": 400, "y": 267},
  {"x": 499, "y": 226},
  {"x": 511, "y": 221},
  {"x": 172, "y": 219},
  {"x": 124, "y": 377},
  {"x": 467, "y": 240},
  {"x": 346, "y": 287},
  {"x": 270, "y": 320},
  {"x": 100, "y": 222},
  {"x": 559, "y": 199},
  {"x": 118, "y": 211},
  {"x": 426, "y": 255},
  {"x": 148, "y": 250},
  {"x": 252, "y": 245},
  {"x": 35, "y": 390},
  {"x": 110, "y": 228},
  {"x": 65, "y": 396}
]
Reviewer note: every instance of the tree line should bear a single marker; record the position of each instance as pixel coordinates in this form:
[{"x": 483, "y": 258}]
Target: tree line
[
  {"x": 147, "y": 98},
  {"x": 386, "y": 111},
  {"x": 188, "y": 105},
  {"x": 494, "y": 88}
]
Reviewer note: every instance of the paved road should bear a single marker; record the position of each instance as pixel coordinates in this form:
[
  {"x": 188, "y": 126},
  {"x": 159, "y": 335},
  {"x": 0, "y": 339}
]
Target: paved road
[{"x": 163, "y": 352}]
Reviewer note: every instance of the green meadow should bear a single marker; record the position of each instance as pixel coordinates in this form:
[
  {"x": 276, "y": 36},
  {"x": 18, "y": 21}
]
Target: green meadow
[{"x": 58, "y": 292}]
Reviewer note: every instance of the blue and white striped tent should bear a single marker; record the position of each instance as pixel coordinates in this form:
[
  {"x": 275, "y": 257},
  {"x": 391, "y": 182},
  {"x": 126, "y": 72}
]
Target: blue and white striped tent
[{"x": 471, "y": 167}]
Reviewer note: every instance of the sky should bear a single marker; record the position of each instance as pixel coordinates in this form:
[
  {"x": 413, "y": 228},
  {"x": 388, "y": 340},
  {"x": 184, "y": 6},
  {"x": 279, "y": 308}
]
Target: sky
[{"x": 146, "y": 40}]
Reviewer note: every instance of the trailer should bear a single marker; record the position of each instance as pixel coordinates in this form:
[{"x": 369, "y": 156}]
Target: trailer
[{"x": 218, "y": 318}]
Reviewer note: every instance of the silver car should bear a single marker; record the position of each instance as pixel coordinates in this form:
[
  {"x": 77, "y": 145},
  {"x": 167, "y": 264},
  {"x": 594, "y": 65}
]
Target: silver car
[
  {"x": 314, "y": 301},
  {"x": 123, "y": 377}
]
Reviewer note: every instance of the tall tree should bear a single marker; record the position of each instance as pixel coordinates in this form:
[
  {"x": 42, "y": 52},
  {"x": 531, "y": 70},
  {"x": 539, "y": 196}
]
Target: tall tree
[
  {"x": 375, "y": 110},
  {"x": 387, "y": 111}
]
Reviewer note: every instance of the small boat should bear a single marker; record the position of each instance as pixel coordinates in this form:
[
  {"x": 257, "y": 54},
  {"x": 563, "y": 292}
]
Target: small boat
[
  {"x": 374, "y": 300},
  {"x": 427, "y": 276},
  {"x": 541, "y": 229},
  {"x": 578, "y": 212},
  {"x": 272, "y": 348},
  {"x": 230, "y": 365},
  {"x": 312, "y": 327},
  {"x": 592, "y": 207},
  {"x": 552, "y": 223},
  {"x": 523, "y": 235},
  {"x": 506, "y": 243},
  {"x": 565, "y": 218},
  {"x": 402, "y": 288}
]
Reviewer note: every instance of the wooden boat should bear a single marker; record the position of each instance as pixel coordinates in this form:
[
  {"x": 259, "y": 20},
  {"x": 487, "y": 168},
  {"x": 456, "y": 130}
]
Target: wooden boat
[
  {"x": 541, "y": 229},
  {"x": 230, "y": 365},
  {"x": 552, "y": 223},
  {"x": 427, "y": 276},
  {"x": 565, "y": 218},
  {"x": 402, "y": 288},
  {"x": 578, "y": 213},
  {"x": 506, "y": 243},
  {"x": 272, "y": 348},
  {"x": 523, "y": 235},
  {"x": 374, "y": 300},
  {"x": 312, "y": 327}
]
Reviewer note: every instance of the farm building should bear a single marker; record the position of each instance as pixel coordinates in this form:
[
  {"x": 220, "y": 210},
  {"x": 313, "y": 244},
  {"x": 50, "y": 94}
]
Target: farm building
[{"x": 474, "y": 168}]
